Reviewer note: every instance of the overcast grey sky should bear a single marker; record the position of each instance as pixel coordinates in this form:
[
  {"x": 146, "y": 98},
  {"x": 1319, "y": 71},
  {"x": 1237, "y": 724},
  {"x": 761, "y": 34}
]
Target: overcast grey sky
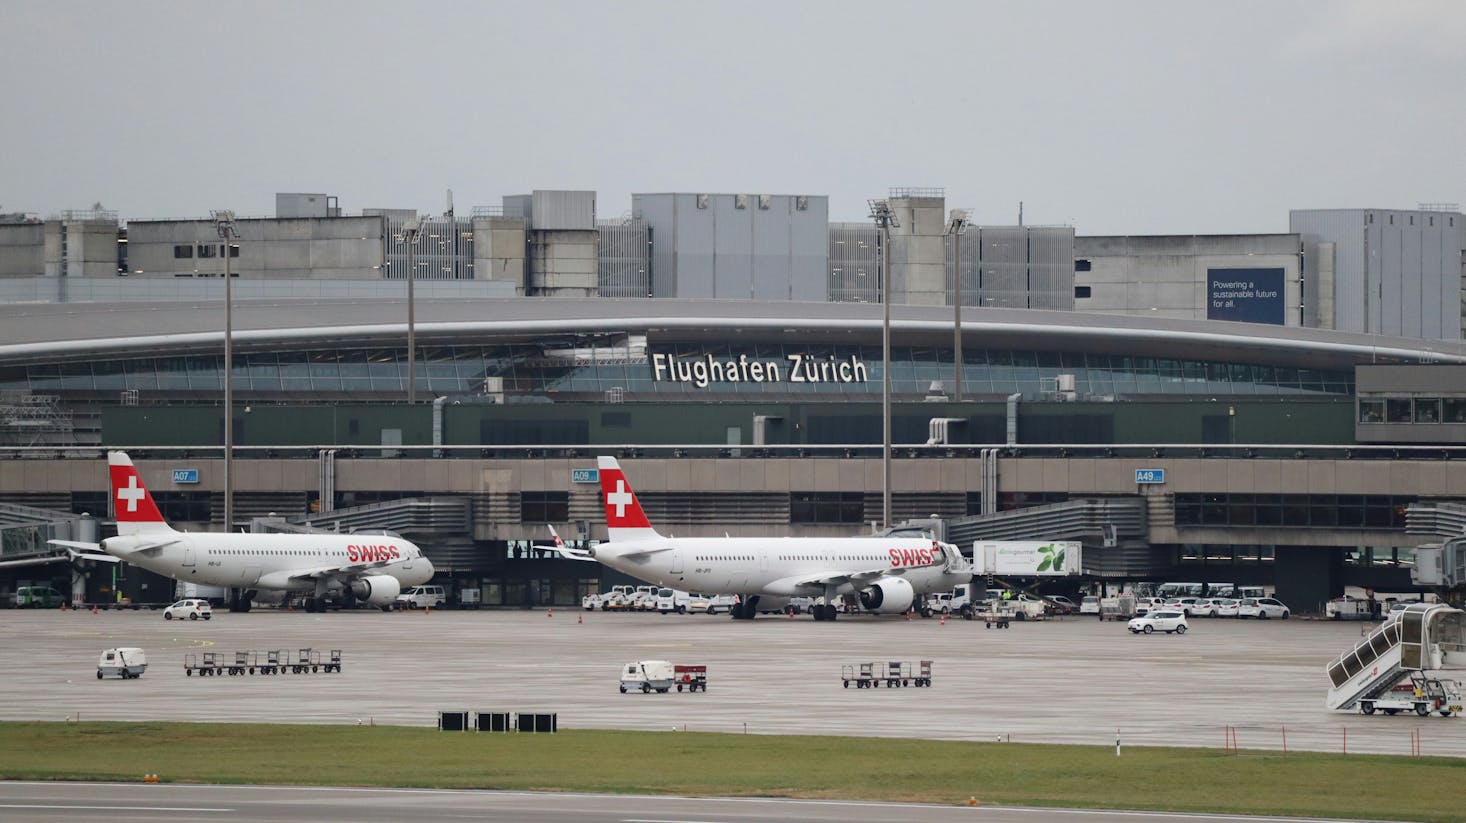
[{"x": 1169, "y": 116}]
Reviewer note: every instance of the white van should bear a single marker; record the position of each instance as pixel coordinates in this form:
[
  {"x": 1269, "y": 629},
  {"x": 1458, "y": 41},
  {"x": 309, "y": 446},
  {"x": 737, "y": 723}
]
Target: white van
[
  {"x": 672, "y": 600},
  {"x": 422, "y": 597}
]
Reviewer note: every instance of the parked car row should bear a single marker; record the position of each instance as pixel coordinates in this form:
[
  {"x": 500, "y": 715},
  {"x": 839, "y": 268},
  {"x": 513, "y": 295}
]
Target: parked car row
[{"x": 1263, "y": 608}]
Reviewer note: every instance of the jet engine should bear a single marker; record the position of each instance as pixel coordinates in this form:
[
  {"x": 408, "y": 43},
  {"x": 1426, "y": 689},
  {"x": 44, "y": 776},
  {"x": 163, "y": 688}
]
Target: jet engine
[
  {"x": 888, "y": 595},
  {"x": 377, "y": 590}
]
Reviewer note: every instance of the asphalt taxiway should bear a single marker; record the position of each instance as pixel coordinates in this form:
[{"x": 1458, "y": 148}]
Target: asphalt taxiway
[{"x": 1059, "y": 681}]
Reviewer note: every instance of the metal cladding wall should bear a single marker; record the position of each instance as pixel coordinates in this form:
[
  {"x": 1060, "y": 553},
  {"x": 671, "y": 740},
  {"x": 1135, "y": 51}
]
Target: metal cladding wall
[
  {"x": 562, "y": 210},
  {"x": 737, "y": 246},
  {"x": 854, "y": 256},
  {"x": 1394, "y": 272},
  {"x": 624, "y": 259}
]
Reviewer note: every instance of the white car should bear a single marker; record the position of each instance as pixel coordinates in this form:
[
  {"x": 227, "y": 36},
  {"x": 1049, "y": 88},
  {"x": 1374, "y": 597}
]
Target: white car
[
  {"x": 709, "y": 603},
  {"x": 191, "y": 609},
  {"x": 1146, "y": 605},
  {"x": 1227, "y": 606},
  {"x": 1159, "y": 620},
  {"x": 1089, "y": 604},
  {"x": 1184, "y": 605},
  {"x": 1263, "y": 608},
  {"x": 1207, "y": 607}
]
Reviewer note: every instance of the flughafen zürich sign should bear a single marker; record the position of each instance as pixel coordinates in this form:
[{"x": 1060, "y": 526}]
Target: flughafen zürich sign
[{"x": 797, "y": 367}]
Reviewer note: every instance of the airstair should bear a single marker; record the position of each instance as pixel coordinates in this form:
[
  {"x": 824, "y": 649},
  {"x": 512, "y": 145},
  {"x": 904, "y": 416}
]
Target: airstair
[{"x": 1426, "y": 637}]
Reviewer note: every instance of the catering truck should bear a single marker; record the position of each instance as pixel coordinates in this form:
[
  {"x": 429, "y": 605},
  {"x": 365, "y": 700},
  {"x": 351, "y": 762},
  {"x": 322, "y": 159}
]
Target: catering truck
[{"x": 1027, "y": 558}]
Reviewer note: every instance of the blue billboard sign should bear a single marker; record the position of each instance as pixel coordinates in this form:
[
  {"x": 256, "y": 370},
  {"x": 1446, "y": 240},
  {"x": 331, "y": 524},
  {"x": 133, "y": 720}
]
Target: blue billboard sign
[{"x": 1245, "y": 295}]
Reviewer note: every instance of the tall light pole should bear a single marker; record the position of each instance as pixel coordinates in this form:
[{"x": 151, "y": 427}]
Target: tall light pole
[
  {"x": 957, "y": 226},
  {"x": 224, "y": 225},
  {"x": 410, "y": 232},
  {"x": 880, "y": 212}
]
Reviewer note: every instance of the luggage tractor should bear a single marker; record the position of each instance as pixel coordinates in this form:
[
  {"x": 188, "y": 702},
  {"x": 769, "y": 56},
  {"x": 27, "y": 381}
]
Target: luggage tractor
[{"x": 1389, "y": 669}]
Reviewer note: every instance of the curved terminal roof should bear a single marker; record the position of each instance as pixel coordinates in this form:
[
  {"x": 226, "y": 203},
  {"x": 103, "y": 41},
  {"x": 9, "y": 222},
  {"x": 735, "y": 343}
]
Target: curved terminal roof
[{"x": 51, "y": 332}]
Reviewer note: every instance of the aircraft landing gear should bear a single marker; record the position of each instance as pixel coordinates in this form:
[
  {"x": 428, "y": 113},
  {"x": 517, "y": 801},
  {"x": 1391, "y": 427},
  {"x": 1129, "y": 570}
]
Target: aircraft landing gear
[
  {"x": 240, "y": 600},
  {"x": 824, "y": 611}
]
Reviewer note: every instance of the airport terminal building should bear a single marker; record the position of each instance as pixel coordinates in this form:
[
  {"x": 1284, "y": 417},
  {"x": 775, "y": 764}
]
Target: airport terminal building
[
  {"x": 1283, "y": 409},
  {"x": 1188, "y": 449}
]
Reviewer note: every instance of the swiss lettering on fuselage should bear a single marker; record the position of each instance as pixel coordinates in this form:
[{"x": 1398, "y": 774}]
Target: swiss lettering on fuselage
[
  {"x": 910, "y": 557},
  {"x": 371, "y": 553}
]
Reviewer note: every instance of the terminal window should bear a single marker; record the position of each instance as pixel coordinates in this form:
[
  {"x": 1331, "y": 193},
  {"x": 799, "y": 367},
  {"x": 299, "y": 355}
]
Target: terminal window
[
  {"x": 827, "y": 507},
  {"x": 544, "y": 507},
  {"x": 183, "y": 252}
]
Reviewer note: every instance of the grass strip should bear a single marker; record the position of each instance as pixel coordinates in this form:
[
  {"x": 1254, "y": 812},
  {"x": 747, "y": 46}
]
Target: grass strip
[{"x": 846, "y": 768}]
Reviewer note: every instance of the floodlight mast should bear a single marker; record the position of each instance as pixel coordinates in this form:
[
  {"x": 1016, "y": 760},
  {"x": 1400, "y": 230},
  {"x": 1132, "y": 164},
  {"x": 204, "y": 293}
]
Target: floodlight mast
[
  {"x": 957, "y": 226},
  {"x": 224, "y": 224},
  {"x": 411, "y": 230},
  {"x": 880, "y": 212}
]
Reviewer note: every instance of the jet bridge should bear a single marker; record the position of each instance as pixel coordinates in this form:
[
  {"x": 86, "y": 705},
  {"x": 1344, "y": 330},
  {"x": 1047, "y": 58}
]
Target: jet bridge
[{"x": 1426, "y": 637}]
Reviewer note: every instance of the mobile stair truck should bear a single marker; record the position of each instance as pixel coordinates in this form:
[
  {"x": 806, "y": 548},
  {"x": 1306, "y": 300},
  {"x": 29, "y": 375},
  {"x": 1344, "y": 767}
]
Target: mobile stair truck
[{"x": 1388, "y": 670}]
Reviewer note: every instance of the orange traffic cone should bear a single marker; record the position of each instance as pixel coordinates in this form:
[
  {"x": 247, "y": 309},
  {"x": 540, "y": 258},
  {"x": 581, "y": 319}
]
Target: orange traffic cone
[
  {"x": 944, "y": 620},
  {"x": 94, "y": 610},
  {"x": 580, "y": 618},
  {"x": 549, "y": 612}
]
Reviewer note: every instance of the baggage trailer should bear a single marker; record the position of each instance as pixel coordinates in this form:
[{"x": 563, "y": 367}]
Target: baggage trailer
[
  {"x": 693, "y": 677},
  {"x": 204, "y": 665},
  {"x": 894, "y": 673}
]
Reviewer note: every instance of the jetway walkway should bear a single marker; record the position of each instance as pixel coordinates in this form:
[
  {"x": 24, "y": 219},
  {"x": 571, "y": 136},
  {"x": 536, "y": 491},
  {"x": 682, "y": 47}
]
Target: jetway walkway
[{"x": 1426, "y": 637}]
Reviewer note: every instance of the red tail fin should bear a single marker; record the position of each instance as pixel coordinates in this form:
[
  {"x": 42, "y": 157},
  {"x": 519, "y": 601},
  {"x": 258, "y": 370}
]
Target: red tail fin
[
  {"x": 624, "y": 516},
  {"x": 136, "y": 511}
]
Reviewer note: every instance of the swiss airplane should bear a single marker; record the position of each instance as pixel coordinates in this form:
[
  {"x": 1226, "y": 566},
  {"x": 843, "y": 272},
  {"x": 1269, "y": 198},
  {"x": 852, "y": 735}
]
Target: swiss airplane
[
  {"x": 370, "y": 568},
  {"x": 884, "y": 574}
]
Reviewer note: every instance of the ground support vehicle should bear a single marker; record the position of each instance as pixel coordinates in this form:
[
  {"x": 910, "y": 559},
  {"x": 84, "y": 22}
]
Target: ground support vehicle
[
  {"x": 126, "y": 662},
  {"x": 204, "y": 665},
  {"x": 1349, "y": 607},
  {"x": 647, "y": 676},
  {"x": 244, "y": 663},
  {"x": 1421, "y": 695},
  {"x": 309, "y": 660},
  {"x": 36, "y": 597},
  {"x": 894, "y": 673},
  {"x": 1121, "y": 607},
  {"x": 692, "y": 677},
  {"x": 277, "y": 661}
]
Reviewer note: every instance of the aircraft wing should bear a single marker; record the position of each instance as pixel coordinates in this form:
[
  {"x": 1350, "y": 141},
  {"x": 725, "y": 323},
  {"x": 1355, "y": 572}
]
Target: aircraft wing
[
  {"x": 338, "y": 571},
  {"x": 570, "y": 553},
  {"x": 818, "y": 581}
]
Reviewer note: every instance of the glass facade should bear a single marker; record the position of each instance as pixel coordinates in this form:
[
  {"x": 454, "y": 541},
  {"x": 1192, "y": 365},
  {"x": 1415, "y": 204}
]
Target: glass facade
[{"x": 692, "y": 371}]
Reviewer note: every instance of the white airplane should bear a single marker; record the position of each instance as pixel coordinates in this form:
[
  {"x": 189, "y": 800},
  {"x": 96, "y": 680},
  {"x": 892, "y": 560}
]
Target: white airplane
[
  {"x": 371, "y": 568},
  {"x": 883, "y": 574}
]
